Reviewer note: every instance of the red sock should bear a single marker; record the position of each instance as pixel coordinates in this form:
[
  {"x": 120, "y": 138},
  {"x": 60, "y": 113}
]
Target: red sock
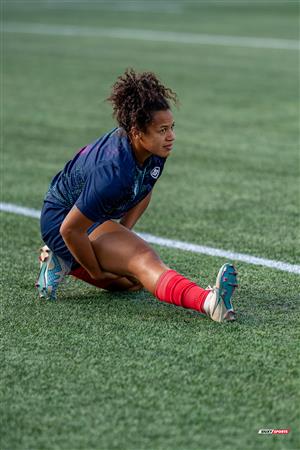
[{"x": 174, "y": 288}]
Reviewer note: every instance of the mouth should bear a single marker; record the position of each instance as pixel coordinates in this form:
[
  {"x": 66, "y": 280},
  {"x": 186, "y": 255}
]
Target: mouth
[{"x": 168, "y": 147}]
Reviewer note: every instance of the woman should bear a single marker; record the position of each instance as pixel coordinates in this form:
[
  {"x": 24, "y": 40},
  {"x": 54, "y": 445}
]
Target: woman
[{"x": 113, "y": 178}]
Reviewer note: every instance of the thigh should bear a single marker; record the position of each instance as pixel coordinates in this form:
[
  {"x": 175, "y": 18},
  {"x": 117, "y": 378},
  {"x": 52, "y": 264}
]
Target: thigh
[
  {"x": 122, "y": 252},
  {"x": 52, "y": 216},
  {"x": 117, "y": 247},
  {"x": 110, "y": 226}
]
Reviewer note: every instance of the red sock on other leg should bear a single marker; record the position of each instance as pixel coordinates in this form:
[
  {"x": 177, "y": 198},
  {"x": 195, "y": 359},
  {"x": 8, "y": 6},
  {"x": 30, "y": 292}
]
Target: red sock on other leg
[{"x": 175, "y": 288}]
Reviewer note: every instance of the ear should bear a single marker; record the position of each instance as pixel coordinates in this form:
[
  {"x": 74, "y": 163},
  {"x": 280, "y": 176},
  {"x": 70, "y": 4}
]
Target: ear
[{"x": 136, "y": 133}]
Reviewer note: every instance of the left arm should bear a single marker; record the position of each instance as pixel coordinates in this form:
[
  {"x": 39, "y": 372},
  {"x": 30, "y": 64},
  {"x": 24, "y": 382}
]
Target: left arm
[{"x": 133, "y": 215}]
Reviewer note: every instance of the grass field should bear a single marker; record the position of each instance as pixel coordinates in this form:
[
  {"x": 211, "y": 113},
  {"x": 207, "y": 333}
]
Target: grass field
[{"x": 106, "y": 371}]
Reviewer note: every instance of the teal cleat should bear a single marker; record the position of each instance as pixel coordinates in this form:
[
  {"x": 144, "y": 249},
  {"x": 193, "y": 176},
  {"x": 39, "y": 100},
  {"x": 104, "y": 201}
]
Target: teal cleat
[
  {"x": 218, "y": 305},
  {"x": 52, "y": 272}
]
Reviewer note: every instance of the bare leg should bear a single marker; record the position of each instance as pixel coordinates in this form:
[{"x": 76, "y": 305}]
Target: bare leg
[
  {"x": 128, "y": 262},
  {"x": 117, "y": 283},
  {"x": 122, "y": 252}
]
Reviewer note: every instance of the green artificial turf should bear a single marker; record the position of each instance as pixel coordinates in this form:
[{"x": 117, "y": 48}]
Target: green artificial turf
[{"x": 105, "y": 371}]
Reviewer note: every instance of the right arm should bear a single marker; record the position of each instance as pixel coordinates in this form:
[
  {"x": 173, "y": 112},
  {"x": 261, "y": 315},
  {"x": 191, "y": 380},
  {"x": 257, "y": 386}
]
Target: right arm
[
  {"x": 74, "y": 232},
  {"x": 133, "y": 215}
]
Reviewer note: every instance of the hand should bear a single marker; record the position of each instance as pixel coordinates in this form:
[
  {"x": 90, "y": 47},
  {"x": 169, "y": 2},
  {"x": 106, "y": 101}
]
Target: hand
[{"x": 103, "y": 275}]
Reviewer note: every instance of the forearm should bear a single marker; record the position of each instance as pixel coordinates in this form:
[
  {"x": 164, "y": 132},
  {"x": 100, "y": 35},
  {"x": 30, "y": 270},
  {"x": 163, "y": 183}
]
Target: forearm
[
  {"x": 81, "y": 248},
  {"x": 132, "y": 216}
]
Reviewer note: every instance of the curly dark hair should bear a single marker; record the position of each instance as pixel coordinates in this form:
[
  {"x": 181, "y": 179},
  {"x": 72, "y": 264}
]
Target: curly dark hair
[{"x": 136, "y": 96}]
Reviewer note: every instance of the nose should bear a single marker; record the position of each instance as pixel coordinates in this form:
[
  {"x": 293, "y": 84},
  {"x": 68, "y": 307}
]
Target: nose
[{"x": 171, "y": 135}]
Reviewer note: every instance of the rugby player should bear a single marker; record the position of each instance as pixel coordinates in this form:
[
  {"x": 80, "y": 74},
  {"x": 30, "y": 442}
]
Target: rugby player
[{"x": 94, "y": 202}]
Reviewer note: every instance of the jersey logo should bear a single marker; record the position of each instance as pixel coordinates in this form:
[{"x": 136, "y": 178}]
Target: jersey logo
[{"x": 155, "y": 173}]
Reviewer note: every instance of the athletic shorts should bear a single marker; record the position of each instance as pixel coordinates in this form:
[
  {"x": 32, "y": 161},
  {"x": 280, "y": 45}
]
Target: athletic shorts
[{"x": 52, "y": 216}]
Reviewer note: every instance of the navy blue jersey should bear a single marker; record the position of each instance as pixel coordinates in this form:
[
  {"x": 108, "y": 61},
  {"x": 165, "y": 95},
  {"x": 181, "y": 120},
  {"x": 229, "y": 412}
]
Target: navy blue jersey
[{"x": 104, "y": 179}]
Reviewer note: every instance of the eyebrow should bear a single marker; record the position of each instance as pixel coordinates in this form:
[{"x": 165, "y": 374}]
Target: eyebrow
[{"x": 165, "y": 125}]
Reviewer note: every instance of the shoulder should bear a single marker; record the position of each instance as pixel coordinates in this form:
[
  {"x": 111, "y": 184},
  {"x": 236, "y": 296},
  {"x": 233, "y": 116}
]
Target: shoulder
[
  {"x": 118, "y": 138},
  {"x": 110, "y": 175},
  {"x": 116, "y": 147},
  {"x": 106, "y": 170}
]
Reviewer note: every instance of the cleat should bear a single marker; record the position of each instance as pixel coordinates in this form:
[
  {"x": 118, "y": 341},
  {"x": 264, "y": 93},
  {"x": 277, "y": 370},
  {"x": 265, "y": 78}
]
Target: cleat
[
  {"x": 229, "y": 316},
  {"x": 218, "y": 305},
  {"x": 52, "y": 272}
]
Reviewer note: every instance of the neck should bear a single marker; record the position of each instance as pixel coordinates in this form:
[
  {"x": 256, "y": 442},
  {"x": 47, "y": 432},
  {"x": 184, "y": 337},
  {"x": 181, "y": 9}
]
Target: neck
[{"x": 141, "y": 153}]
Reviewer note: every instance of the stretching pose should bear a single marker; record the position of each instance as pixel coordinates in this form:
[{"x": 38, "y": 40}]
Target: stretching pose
[{"x": 110, "y": 179}]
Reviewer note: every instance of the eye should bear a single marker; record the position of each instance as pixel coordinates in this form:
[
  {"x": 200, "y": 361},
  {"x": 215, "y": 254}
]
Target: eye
[{"x": 163, "y": 130}]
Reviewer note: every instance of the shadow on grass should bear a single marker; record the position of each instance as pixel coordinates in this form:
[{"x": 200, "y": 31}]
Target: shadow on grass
[
  {"x": 141, "y": 304},
  {"x": 255, "y": 306}
]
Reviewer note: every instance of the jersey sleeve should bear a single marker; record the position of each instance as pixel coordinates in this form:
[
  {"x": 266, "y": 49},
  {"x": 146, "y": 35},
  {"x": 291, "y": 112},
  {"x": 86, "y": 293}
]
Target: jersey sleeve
[{"x": 102, "y": 191}]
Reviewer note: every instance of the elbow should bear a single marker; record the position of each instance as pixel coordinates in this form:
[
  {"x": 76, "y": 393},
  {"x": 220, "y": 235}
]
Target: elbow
[{"x": 65, "y": 232}]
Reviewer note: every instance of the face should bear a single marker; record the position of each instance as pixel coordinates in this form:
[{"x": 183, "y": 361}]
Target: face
[{"x": 159, "y": 137}]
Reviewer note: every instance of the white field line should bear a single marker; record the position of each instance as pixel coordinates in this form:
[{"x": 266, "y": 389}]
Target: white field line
[
  {"x": 151, "y": 35},
  {"x": 193, "y": 248},
  {"x": 105, "y": 5}
]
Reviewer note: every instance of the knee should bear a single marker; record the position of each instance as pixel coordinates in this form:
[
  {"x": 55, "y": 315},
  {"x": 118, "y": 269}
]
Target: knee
[{"x": 143, "y": 259}]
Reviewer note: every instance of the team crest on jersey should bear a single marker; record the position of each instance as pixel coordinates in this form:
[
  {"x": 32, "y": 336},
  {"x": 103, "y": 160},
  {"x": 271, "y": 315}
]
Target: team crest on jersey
[{"x": 155, "y": 172}]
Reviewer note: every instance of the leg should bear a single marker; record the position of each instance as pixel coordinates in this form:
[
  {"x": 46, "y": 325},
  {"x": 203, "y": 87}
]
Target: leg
[
  {"x": 116, "y": 284},
  {"x": 122, "y": 252}
]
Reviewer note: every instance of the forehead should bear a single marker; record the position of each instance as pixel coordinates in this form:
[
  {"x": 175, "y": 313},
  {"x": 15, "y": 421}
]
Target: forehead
[{"x": 162, "y": 118}]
